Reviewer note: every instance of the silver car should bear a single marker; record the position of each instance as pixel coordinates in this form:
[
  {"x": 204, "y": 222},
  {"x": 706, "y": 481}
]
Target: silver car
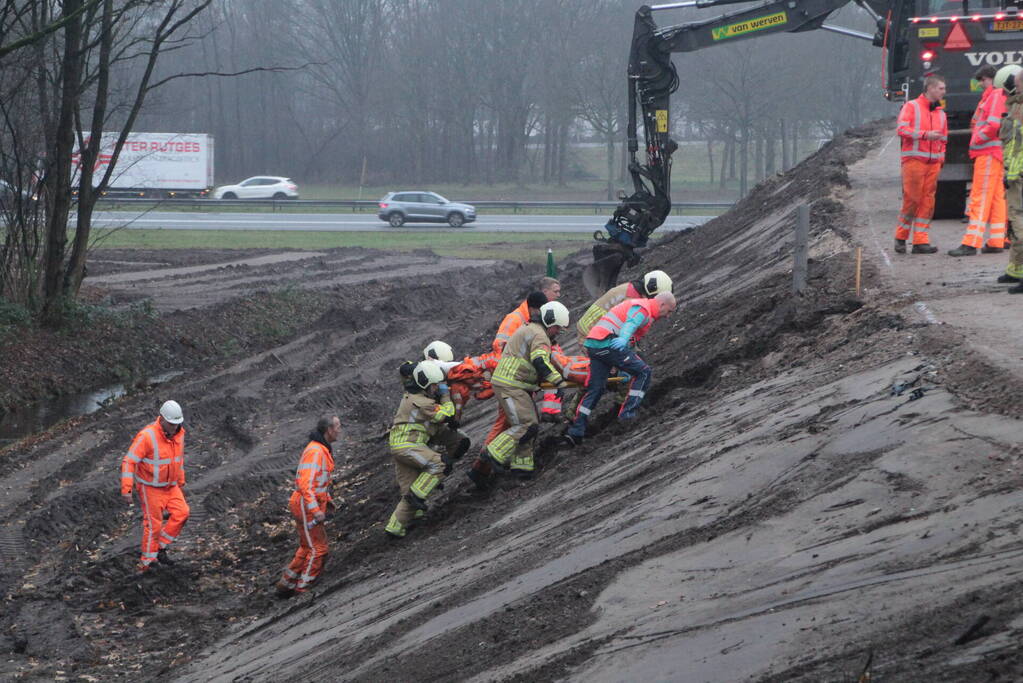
[{"x": 398, "y": 208}]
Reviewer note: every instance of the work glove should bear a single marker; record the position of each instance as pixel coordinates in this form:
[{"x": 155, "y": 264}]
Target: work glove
[
  {"x": 443, "y": 389},
  {"x": 453, "y": 423},
  {"x": 619, "y": 344}
]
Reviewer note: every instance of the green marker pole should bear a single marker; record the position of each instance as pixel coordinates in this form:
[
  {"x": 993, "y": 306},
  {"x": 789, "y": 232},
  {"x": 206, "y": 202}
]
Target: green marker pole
[{"x": 552, "y": 270}]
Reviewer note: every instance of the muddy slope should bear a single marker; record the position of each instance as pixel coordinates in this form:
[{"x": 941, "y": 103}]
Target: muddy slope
[{"x": 805, "y": 493}]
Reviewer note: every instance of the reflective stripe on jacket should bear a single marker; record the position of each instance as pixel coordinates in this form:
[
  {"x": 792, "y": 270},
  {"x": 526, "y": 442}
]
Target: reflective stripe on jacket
[
  {"x": 511, "y": 323},
  {"x": 417, "y": 419},
  {"x": 516, "y": 369},
  {"x": 611, "y": 324},
  {"x": 598, "y": 308},
  {"x": 154, "y": 459},
  {"x": 1011, "y": 135},
  {"x": 312, "y": 478},
  {"x": 916, "y": 120},
  {"x": 987, "y": 120}
]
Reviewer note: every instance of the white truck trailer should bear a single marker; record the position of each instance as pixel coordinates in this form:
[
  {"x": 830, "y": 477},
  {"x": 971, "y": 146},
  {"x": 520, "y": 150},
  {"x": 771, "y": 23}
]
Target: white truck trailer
[{"x": 163, "y": 165}]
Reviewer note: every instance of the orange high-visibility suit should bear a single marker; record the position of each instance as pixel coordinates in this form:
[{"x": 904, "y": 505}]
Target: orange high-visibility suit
[
  {"x": 311, "y": 495},
  {"x": 156, "y": 463},
  {"x": 922, "y": 160},
  {"x": 986, "y": 207},
  {"x": 508, "y": 326}
]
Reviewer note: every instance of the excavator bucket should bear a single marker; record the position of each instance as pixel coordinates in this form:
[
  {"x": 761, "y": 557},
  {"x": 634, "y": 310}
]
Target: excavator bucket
[{"x": 602, "y": 274}]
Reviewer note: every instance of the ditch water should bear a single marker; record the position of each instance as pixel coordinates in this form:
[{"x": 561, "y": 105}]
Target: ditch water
[{"x": 36, "y": 417}]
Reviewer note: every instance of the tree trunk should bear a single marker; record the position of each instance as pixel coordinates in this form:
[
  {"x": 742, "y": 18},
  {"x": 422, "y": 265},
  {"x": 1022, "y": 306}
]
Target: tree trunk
[
  {"x": 744, "y": 163},
  {"x": 710, "y": 159},
  {"x": 56, "y": 229},
  {"x": 769, "y": 152},
  {"x": 610, "y": 166},
  {"x": 758, "y": 158}
]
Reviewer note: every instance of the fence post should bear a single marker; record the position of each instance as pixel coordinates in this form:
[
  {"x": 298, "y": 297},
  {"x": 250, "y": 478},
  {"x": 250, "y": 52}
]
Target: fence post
[{"x": 800, "y": 248}]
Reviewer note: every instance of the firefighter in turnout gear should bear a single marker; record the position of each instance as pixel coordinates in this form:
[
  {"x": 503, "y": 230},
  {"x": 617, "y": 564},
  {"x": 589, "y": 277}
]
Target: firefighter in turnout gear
[
  {"x": 156, "y": 462},
  {"x": 435, "y": 350},
  {"x": 1011, "y": 135},
  {"x": 611, "y": 344},
  {"x": 419, "y": 424},
  {"x": 309, "y": 505},
  {"x": 653, "y": 282},
  {"x": 525, "y": 362}
]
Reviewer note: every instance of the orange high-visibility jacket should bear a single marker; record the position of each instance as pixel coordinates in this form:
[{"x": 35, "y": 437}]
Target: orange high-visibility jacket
[
  {"x": 153, "y": 459},
  {"x": 511, "y": 322},
  {"x": 312, "y": 478},
  {"x": 986, "y": 122},
  {"x": 915, "y": 120},
  {"x": 611, "y": 324}
]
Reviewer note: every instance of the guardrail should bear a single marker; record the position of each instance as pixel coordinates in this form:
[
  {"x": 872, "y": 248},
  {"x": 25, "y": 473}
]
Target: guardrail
[{"x": 365, "y": 205}]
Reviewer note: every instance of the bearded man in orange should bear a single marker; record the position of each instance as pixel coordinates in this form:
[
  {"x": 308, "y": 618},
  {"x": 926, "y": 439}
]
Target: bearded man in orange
[{"x": 923, "y": 129}]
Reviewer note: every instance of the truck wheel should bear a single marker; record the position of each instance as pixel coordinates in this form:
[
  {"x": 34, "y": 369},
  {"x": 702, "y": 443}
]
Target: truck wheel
[
  {"x": 396, "y": 220},
  {"x": 950, "y": 199},
  {"x": 229, "y": 195},
  {"x": 455, "y": 219}
]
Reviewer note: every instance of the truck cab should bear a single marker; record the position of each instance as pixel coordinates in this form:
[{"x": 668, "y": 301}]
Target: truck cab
[{"x": 952, "y": 38}]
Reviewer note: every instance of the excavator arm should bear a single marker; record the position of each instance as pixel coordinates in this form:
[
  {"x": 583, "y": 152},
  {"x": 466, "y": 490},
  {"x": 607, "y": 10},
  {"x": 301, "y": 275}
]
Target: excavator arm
[{"x": 652, "y": 80}]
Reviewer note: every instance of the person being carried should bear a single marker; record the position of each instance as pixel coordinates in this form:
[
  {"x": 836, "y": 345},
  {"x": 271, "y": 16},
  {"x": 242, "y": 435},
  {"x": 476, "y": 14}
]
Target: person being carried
[
  {"x": 610, "y": 344},
  {"x": 310, "y": 504}
]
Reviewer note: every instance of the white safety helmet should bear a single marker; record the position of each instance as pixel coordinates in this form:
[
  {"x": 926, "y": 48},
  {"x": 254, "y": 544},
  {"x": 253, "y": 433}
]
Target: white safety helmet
[
  {"x": 1007, "y": 77},
  {"x": 554, "y": 313},
  {"x": 438, "y": 350},
  {"x": 656, "y": 281},
  {"x": 171, "y": 412},
  {"x": 427, "y": 372}
]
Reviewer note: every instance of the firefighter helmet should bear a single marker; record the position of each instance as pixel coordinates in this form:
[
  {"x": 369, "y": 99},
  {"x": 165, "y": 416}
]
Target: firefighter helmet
[
  {"x": 554, "y": 313},
  {"x": 656, "y": 281},
  {"x": 1006, "y": 77},
  {"x": 427, "y": 372},
  {"x": 438, "y": 350}
]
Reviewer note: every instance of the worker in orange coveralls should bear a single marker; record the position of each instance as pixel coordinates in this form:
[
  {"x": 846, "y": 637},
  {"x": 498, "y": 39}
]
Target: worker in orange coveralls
[
  {"x": 155, "y": 462},
  {"x": 986, "y": 208},
  {"x": 923, "y": 129},
  {"x": 551, "y": 290},
  {"x": 310, "y": 504}
]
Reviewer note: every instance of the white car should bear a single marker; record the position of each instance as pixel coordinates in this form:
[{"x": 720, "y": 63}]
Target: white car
[{"x": 259, "y": 187}]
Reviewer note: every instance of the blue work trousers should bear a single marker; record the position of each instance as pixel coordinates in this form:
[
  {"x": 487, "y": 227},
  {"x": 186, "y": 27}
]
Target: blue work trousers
[{"x": 601, "y": 363}]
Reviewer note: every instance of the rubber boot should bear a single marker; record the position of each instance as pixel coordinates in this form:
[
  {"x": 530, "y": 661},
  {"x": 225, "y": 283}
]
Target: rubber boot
[
  {"x": 963, "y": 250},
  {"x": 162, "y": 558}
]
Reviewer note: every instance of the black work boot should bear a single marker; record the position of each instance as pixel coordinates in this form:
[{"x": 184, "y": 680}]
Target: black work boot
[
  {"x": 569, "y": 441},
  {"x": 1006, "y": 279},
  {"x": 900, "y": 246},
  {"x": 924, "y": 249},
  {"x": 991, "y": 250},
  {"x": 963, "y": 250},
  {"x": 479, "y": 479},
  {"x": 416, "y": 502},
  {"x": 1018, "y": 289},
  {"x": 162, "y": 558}
]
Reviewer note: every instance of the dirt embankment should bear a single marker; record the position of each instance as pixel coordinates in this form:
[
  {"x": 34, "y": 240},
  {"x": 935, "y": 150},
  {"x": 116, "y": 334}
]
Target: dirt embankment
[{"x": 806, "y": 492}]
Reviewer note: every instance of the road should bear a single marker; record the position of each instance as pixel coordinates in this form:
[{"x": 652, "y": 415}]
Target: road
[{"x": 342, "y": 222}]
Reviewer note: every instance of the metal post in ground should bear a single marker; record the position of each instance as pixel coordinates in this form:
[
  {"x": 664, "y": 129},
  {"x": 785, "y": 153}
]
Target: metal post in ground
[{"x": 800, "y": 249}]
